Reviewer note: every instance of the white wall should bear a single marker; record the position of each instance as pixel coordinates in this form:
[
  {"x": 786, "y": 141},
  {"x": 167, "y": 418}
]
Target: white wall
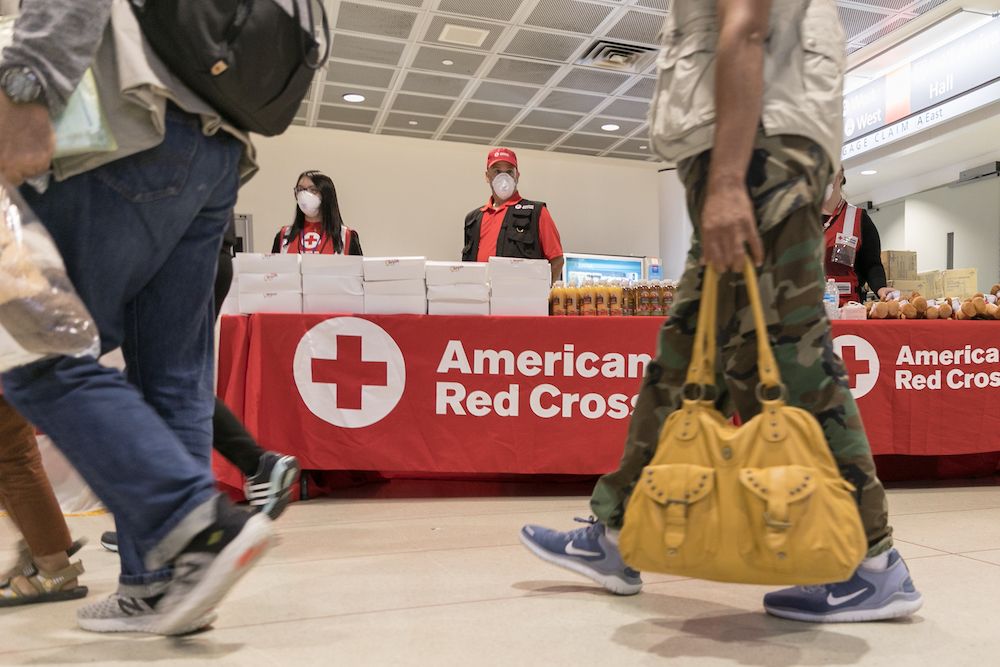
[
  {"x": 410, "y": 196},
  {"x": 889, "y": 221},
  {"x": 675, "y": 225}
]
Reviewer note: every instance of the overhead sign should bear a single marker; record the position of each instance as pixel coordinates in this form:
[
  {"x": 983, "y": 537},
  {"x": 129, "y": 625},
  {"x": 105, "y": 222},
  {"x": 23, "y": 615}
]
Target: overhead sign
[{"x": 944, "y": 74}]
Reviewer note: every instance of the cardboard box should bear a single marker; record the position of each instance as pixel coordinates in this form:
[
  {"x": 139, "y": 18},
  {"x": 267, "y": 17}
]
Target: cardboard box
[
  {"x": 513, "y": 267},
  {"x": 520, "y": 306},
  {"x": 414, "y": 287},
  {"x": 271, "y": 302},
  {"x": 899, "y": 264},
  {"x": 255, "y": 283},
  {"x": 456, "y": 308},
  {"x": 327, "y": 284},
  {"x": 394, "y": 268},
  {"x": 332, "y": 303},
  {"x": 959, "y": 283},
  {"x": 457, "y": 273},
  {"x": 332, "y": 265},
  {"x": 907, "y": 286},
  {"x": 459, "y": 293},
  {"x": 252, "y": 262},
  {"x": 932, "y": 283},
  {"x": 512, "y": 288},
  {"x": 379, "y": 304}
]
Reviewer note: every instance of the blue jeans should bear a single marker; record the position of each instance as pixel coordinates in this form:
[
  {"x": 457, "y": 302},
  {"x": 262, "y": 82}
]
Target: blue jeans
[{"x": 140, "y": 238}]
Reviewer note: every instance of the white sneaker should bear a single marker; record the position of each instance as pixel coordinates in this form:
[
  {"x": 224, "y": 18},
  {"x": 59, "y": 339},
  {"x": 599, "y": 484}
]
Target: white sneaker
[{"x": 124, "y": 614}]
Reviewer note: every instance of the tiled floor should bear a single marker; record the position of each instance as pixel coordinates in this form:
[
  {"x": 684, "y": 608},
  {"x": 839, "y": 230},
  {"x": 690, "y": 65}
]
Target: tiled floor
[{"x": 442, "y": 582}]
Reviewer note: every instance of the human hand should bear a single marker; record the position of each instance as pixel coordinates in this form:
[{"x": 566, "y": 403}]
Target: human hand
[
  {"x": 883, "y": 291},
  {"x": 27, "y": 140},
  {"x": 728, "y": 222}
]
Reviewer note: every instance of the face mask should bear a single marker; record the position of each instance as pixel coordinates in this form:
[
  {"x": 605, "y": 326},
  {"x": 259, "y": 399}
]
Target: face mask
[
  {"x": 308, "y": 203},
  {"x": 503, "y": 186},
  {"x": 829, "y": 192}
]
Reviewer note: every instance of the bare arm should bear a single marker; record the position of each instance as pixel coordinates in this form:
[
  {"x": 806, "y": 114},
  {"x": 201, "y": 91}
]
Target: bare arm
[
  {"x": 727, "y": 221},
  {"x": 557, "y": 267}
]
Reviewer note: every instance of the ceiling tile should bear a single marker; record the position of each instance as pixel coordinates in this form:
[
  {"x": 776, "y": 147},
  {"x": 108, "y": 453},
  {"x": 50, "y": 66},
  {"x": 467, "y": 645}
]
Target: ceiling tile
[
  {"x": 629, "y": 156},
  {"x": 423, "y": 123},
  {"x": 627, "y": 109},
  {"x": 347, "y": 115},
  {"x": 560, "y": 121},
  {"x": 856, "y": 21},
  {"x": 373, "y": 20},
  {"x": 435, "y": 84},
  {"x": 333, "y": 93},
  {"x": 576, "y": 151},
  {"x": 374, "y": 51},
  {"x": 438, "y": 23},
  {"x": 624, "y": 126},
  {"x": 303, "y": 111},
  {"x": 644, "y": 88},
  {"x": 544, "y": 45},
  {"x": 375, "y": 77},
  {"x": 471, "y": 128},
  {"x": 664, "y": 5},
  {"x": 467, "y": 140},
  {"x": 434, "y": 106},
  {"x": 641, "y": 27},
  {"x": 533, "y": 135},
  {"x": 590, "y": 141},
  {"x": 300, "y": 121},
  {"x": 498, "y": 10},
  {"x": 522, "y": 71},
  {"x": 568, "y": 15},
  {"x": 408, "y": 3},
  {"x": 520, "y": 144},
  {"x": 592, "y": 80},
  {"x": 566, "y": 101},
  {"x": 341, "y": 126},
  {"x": 480, "y": 111},
  {"x": 430, "y": 57},
  {"x": 634, "y": 146},
  {"x": 503, "y": 92},
  {"x": 406, "y": 133}
]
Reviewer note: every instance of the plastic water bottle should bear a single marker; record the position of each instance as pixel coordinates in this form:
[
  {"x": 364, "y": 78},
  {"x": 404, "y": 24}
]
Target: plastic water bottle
[{"x": 831, "y": 300}]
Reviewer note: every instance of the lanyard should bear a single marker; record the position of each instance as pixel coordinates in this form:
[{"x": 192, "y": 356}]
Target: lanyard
[{"x": 835, "y": 215}]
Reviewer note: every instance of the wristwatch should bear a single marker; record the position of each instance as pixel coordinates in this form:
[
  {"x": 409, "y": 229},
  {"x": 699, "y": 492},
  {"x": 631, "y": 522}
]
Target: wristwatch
[{"x": 21, "y": 85}]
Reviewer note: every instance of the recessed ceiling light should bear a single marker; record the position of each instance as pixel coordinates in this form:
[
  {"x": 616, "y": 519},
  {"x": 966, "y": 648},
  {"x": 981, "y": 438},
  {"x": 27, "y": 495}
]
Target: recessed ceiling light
[
  {"x": 447, "y": 62},
  {"x": 413, "y": 122},
  {"x": 610, "y": 127},
  {"x": 353, "y": 97},
  {"x": 643, "y": 147},
  {"x": 869, "y": 172}
]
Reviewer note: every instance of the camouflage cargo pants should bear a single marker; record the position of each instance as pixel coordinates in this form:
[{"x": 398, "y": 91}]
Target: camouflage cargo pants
[{"x": 786, "y": 180}]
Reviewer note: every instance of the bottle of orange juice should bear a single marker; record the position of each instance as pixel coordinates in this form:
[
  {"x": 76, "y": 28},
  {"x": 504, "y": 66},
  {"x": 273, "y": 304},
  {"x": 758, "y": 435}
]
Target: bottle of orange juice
[
  {"x": 602, "y": 305},
  {"x": 668, "y": 296},
  {"x": 615, "y": 298},
  {"x": 642, "y": 298},
  {"x": 557, "y": 299},
  {"x": 656, "y": 298},
  {"x": 572, "y": 299},
  {"x": 588, "y": 298},
  {"x": 628, "y": 300}
]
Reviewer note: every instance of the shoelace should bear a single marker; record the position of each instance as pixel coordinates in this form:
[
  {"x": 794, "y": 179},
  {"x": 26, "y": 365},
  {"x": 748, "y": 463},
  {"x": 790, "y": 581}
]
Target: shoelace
[
  {"x": 822, "y": 588},
  {"x": 590, "y": 531}
]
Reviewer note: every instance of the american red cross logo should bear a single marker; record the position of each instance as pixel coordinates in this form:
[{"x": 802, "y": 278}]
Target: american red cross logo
[
  {"x": 861, "y": 361},
  {"x": 349, "y": 372},
  {"x": 854, "y": 365}
]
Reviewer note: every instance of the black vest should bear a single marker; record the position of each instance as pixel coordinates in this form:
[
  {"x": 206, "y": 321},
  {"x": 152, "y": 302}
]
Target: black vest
[{"x": 518, "y": 235}]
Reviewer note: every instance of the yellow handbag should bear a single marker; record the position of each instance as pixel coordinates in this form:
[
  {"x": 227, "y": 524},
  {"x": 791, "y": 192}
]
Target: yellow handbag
[{"x": 762, "y": 503}]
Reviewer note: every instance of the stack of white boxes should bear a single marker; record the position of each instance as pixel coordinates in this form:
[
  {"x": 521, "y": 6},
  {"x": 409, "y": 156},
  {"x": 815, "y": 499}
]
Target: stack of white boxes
[
  {"x": 519, "y": 286},
  {"x": 269, "y": 283},
  {"x": 395, "y": 285},
  {"x": 332, "y": 284},
  {"x": 458, "y": 288}
]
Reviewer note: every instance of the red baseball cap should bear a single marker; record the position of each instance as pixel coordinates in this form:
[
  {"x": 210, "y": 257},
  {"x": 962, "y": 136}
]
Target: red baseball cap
[{"x": 500, "y": 155}]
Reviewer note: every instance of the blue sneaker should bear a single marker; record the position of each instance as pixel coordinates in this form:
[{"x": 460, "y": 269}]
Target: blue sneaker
[
  {"x": 867, "y": 596},
  {"x": 586, "y": 551}
]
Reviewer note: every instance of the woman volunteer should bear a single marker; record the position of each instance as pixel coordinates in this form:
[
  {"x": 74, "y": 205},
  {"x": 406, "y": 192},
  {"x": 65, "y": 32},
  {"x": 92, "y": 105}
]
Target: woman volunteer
[
  {"x": 318, "y": 227},
  {"x": 853, "y": 248}
]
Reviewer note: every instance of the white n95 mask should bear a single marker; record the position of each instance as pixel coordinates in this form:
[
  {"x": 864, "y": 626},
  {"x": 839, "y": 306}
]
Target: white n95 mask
[
  {"x": 308, "y": 203},
  {"x": 503, "y": 186}
]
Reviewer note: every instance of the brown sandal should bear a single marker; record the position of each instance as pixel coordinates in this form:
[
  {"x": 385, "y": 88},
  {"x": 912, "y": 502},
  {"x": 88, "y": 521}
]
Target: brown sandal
[{"x": 47, "y": 586}]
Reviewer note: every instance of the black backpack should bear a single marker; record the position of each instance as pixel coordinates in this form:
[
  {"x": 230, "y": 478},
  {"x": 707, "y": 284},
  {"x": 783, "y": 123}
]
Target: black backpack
[{"x": 248, "y": 59}]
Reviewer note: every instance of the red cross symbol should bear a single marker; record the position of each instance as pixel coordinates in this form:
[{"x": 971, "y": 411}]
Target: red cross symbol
[
  {"x": 854, "y": 365},
  {"x": 349, "y": 372}
]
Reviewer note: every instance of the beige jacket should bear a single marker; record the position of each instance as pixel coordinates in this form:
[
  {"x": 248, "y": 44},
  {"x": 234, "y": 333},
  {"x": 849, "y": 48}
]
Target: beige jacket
[
  {"x": 803, "y": 77},
  {"x": 134, "y": 86}
]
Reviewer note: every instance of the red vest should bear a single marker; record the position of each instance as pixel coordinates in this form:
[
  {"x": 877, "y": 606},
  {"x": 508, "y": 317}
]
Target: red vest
[
  {"x": 847, "y": 222},
  {"x": 321, "y": 245}
]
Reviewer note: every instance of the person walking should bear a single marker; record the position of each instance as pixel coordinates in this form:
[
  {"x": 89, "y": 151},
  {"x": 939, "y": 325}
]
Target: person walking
[{"x": 755, "y": 183}]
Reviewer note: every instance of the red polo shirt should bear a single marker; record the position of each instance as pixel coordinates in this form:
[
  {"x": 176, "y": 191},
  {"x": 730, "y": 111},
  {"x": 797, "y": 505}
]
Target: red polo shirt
[{"x": 489, "y": 231}]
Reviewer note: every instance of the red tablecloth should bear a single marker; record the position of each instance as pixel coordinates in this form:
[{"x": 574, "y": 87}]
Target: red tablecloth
[{"x": 454, "y": 395}]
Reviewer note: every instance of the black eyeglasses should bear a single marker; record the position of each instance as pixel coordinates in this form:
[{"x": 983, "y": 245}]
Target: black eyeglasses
[{"x": 314, "y": 190}]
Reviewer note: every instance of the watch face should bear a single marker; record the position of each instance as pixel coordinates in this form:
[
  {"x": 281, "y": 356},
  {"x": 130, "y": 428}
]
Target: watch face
[{"x": 21, "y": 85}]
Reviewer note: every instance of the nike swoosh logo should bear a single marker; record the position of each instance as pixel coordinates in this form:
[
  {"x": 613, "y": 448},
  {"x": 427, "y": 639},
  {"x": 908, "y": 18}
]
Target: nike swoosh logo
[
  {"x": 573, "y": 551},
  {"x": 836, "y": 602}
]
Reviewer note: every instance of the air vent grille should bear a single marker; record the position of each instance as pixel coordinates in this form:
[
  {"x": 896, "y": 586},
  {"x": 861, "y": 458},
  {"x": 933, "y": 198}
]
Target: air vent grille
[{"x": 618, "y": 57}]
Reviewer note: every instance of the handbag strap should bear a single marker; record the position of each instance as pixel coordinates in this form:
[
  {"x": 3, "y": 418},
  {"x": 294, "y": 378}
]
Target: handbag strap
[{"x": 701, "y": 371}]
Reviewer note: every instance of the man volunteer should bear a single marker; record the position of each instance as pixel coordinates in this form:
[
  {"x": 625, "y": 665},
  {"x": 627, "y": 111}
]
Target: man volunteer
[
  {"x": 755, "y": 178},
  {"x": 509, "y": 226}
]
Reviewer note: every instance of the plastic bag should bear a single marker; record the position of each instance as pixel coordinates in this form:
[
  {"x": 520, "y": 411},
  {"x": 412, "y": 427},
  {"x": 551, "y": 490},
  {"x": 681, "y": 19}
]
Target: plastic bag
[{"x": 40, "y": 313}]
